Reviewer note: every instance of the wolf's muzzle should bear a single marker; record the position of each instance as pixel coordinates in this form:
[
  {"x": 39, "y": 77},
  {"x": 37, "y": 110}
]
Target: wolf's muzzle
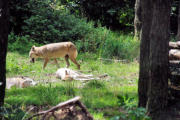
[{"x": 32, "y": 60}]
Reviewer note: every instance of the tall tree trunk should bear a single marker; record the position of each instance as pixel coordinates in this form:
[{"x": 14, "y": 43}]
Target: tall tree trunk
[
  {"x": 144, "y": 52},
  {"x": 178, "y": 33},
  {"x": 3, "y": 46},
  {"x": 137, "y": 20},
  {"x": 159, "y": 68}
]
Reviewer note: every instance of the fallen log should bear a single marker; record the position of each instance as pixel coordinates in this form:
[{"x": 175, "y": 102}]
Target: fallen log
[
  {"x": 174, "y": 45},
  {"x": 70, "y": 105},
  {"x": 174, "y": 63},
  {"x": 174, "y": 54}
]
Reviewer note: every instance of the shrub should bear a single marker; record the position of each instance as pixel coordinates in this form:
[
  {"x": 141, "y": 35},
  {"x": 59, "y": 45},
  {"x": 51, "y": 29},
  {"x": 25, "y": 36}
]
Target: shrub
[
  {"x": 12, "y": 112},
  {"x": 109, "y": 44},
  {"x": 114, "y": 14},
  {"x": 119, "y": 46},
  {"x": 48, "y": 24},
  {"x": 20, "y": 43},
  {"x": 132, "y": 112}
]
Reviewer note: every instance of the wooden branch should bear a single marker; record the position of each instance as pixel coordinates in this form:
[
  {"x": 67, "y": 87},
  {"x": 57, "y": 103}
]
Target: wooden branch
[
  {"x": 60, "y": 105},
  {"x": 84, "y": 109}
]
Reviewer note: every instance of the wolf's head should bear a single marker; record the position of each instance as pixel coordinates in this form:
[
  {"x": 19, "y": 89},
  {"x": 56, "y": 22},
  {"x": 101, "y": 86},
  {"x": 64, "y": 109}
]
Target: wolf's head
[
  {"x": 27, "y": 83},
  {"x": 33, "y": 54}
]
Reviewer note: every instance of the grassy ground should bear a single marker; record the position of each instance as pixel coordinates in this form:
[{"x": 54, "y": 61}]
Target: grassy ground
[{"x": 101, "y": 97}]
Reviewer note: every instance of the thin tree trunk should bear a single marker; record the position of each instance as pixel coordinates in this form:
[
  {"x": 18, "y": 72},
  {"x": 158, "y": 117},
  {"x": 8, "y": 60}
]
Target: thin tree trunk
[
  {"x": 144, "y": 52},
  {"x": 159, "y": 65},
  {"x": 178, "y": 33},
  {"x": 137, "y": 20},
  {"x": 3, "y": 46}
]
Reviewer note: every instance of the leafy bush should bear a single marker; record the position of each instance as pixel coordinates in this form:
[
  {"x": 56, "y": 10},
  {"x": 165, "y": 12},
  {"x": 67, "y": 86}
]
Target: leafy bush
[
  {"x": 47, "y": 25},
  {"x": 12, "y": 112},
  {"x": 20, "y": 43},
  {"x": 19, "y": 11},
  {"x": 109, "y": 44},
  {"x": 132, "y": 112},
  {"x": 114, "y": 14},
  {"x": 122, "y": 46}
]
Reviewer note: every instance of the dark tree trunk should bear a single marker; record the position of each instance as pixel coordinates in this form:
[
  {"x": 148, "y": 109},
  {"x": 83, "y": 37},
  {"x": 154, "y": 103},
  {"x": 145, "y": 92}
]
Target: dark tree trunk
[
  {"x": 3, "y": 46},
  {"x": 137, "y": 20},
  {"x": 178, "y": 33},
  {"x": 159, "y": 68},
  {"x": 144, "y": 52}
]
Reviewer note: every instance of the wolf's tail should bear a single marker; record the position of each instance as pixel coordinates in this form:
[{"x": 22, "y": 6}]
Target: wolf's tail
[{"x": 76, "y": 53}]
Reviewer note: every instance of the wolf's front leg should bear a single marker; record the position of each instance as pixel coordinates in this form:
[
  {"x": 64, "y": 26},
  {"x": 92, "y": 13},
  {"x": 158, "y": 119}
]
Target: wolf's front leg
[
  {"x": 67, "y": 60},
  {"x": 56, "y": 62},
  {"x": 45, "y": 62}
]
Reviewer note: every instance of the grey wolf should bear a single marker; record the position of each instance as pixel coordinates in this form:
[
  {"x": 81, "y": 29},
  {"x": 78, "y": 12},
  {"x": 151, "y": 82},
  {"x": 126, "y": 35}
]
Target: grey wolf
[
  {"x": 20, "y": 82},
  {"x": 55, "y": 50}
]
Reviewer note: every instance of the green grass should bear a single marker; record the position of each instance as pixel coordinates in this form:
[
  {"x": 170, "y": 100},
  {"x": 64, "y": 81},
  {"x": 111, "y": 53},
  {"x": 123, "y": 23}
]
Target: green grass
[{"x": 99, "y": 96}]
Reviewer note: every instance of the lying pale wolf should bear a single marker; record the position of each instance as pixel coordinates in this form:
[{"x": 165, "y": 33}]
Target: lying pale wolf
[{"x": 53, "y": 51}]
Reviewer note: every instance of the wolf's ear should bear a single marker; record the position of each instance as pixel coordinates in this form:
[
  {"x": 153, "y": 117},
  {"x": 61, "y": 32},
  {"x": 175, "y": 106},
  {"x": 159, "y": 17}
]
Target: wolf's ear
[{"x": 33, "y": 48}]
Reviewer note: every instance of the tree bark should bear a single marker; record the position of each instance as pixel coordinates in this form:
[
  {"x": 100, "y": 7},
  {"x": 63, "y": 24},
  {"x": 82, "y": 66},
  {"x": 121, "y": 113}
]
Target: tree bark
[
  {"x": 178, "y": 33},
  {"x": 144, "y": 52},
  {"x": 137, "y": 20},
  {"x": 3, "y": 46},
  {"x": 159, "y": 65}
]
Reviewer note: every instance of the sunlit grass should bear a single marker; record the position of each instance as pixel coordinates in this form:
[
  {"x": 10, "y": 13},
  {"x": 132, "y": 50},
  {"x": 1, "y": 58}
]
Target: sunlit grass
[{"x": 98, "y": 96}]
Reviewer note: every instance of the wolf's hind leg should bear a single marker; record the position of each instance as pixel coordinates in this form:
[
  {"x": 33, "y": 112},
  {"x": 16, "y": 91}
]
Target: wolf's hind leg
[
  {"x": 45, "y": 62},
  {"x": 67, "y": 61},
  {"x": 75, "y": 62},
  {"x": 56, "y": 62}
]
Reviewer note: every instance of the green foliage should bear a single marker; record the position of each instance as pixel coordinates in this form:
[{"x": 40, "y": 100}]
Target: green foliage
[
  {"x": 124, "y": 100},
  {"x": 18, "y": 13},
  {"x": 47, "y": 22},
  {"x": 69, "y": 88},
  {"x": 114, "y": 14},
  {"x": 123, "y": 46},
  {"x": 47, "y": 95},
  {"x": 15, "y": 65},
  {"x": 12, "y": 112},
  {"x": 109, "y": 44},
  {"x": 21, "y": 44},
  {"x": 95, "y": 84},
  {"x": 132, "y": 112},
  {"x": 47, "y": 25}
]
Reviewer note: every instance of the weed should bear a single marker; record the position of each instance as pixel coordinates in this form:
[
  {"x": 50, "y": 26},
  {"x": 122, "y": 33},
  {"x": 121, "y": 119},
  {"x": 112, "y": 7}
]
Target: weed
[
  {"x": 132, "y": 112},
  {"x": 12, "y": 112},
  {"x": 95, "y": 84}
]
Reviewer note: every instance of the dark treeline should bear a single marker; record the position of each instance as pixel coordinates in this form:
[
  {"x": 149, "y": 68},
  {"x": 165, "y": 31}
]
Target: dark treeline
[{"x": 114, "y": 14}]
